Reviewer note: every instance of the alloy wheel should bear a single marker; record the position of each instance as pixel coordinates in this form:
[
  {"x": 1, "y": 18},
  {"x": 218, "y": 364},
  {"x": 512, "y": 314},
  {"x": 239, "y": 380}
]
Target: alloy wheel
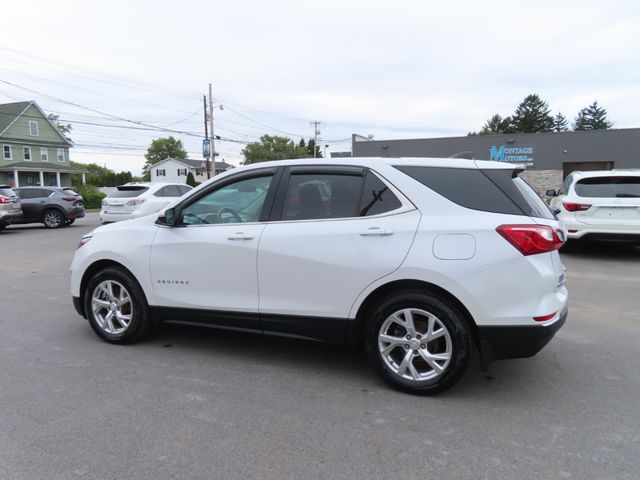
[
  {"x": 415, "y": 344},
  {"x": 112, "y": 307}
]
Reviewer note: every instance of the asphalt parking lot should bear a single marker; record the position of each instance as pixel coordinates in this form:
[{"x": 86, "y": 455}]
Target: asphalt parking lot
[{"x": 192, "y": 403}]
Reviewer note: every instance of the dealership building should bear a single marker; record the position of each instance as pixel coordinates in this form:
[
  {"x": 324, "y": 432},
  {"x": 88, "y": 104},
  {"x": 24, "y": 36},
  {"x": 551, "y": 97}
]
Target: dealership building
[{"x": 548, "y": 157}]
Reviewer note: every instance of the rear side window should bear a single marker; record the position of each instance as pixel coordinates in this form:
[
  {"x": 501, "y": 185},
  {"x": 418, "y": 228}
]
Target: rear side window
[
  {"x": 168, "y": 191},
  {"x": 128, "y": 192},
  {"x": 376, "y": 197},
  {"x": 608, "y": 187},
  {"x": 491, "y": 190}
]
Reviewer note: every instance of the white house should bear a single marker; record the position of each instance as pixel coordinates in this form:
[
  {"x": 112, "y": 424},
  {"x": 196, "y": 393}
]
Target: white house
[{"x": 175, "y": 170}]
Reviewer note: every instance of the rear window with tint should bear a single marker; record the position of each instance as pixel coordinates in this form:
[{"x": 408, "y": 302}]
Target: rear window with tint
[
  {"x": 128, "y": 192},
  {"x": 6, "y": 192},
  {"x": 608, "y": 187},
  {"x": 69, "y": 191},
  {"x": 490, "y": 190}
]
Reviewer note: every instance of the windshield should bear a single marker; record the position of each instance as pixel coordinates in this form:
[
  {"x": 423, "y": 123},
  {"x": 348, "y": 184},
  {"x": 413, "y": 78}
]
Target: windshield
[{"x": 609, "y": 187}]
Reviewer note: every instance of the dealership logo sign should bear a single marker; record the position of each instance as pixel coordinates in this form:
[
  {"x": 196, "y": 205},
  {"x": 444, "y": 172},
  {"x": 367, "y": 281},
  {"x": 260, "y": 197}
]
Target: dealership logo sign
[{"x": 512, "y": 154}]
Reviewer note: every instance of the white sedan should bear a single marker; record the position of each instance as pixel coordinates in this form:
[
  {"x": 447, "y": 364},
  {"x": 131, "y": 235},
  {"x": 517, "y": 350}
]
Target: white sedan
[{"x": 134, "y": 200}]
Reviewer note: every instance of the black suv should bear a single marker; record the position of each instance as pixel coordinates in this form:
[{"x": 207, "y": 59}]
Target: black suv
[{"x": 53, "y": 206}]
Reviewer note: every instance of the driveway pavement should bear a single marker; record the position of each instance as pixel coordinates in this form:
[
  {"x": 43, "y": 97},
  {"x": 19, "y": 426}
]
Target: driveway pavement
[{"x": 192, "y": 403}]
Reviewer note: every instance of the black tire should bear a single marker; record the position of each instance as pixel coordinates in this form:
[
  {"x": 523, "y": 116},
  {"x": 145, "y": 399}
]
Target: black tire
[
  {"x": 140, "y": 323},
  {"x": 53, "y": 218},
  {"x": 457, "y": 345}
]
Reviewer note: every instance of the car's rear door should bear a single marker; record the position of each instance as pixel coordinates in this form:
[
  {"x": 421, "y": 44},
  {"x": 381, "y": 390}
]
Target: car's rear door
[
  {"x": 334, "y": 231},
  {"x": 33, "y": 202}
]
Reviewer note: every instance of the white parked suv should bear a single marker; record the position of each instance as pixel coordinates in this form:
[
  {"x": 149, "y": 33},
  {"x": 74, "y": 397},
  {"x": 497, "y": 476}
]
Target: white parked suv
[
  {"x": 419, "y": 260},
  {"x": 599, "y": 204},
  {"x": 134, "y": 200}
]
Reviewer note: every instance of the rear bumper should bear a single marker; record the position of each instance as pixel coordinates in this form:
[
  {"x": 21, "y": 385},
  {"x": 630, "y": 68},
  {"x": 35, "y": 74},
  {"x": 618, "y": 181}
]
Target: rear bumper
[
  {"x": 76, "y": 212},
  {"x": 501, "y": 342},
  {"x": 576, "y": 229},
  {"x": 7, "y": 217}
]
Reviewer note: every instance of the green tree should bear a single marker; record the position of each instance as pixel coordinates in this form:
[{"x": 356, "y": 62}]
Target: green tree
[
  {"x": 532, "y": 115},
  {"x": 593, "y": 117},
  {"x": 100, "y": 176},
  {"x": 274, "y": 147},
  {"x": 191, "y": 181},
  {"x": 496, "y": 124},
  {"x": 311, "y": 144},
  {"x": 64, "y": 128},
  {"x": 160, "y": 149},
  {"x": 560, "y": 123}
]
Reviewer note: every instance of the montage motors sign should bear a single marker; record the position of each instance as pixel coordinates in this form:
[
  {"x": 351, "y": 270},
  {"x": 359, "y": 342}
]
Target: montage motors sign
[{"x": 512, "y": 154}]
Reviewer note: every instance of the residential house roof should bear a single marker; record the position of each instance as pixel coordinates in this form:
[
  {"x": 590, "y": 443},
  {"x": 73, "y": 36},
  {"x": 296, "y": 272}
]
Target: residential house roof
[
  {"x": 196, "y": 163},
  {"x": 10, "y": 112},
  {"x": 45, "y": 166}
]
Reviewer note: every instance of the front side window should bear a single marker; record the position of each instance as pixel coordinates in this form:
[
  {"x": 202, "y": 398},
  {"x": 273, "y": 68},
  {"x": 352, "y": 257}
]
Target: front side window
[
  {"x": 6, "y": 152},
  {"x": 33, "y": 128},
  {"x": 237, "y": 202},
  {"x": 61, "y": 154},
  {"x": 44, "y": 155},
  {"x": 27, "y": 153}
]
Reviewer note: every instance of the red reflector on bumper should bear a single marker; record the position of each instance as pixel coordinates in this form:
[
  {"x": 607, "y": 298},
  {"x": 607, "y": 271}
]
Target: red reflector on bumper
[{"x": 544, "y": 318}]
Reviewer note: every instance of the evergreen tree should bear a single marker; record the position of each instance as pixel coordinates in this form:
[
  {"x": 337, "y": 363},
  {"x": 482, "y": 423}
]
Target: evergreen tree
[
  {"x": 191, "y": 181},
  {"x": 560, "y": 123},
  {"x": 497, "y": 124},
  {"x": 593, "y": 117},
  {"x": 532, "y": 115},
  {"x": 160, "y": 149}
]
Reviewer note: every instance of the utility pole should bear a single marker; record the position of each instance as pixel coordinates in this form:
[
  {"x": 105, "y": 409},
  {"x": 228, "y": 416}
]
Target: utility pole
[
  {"x": 315, "y": 124},
  {"x": 213, "y": 136},
  {"x": 206, "y": 134}
]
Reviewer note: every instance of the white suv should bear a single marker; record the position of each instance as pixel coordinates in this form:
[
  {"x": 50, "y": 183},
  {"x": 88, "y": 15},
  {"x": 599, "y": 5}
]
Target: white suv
[
  {"x": 416, "y": 259},
  {"x": 134, "y": 200},
  {"x": 599, "y": 204}
]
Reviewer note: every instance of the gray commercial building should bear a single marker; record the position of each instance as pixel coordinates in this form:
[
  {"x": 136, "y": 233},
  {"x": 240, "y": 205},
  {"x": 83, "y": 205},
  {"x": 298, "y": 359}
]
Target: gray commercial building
[{"x": 548, "y": 157}]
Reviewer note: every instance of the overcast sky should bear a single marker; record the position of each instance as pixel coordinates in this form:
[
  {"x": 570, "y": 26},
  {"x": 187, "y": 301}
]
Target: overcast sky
[{"x": 394, "y": 69}]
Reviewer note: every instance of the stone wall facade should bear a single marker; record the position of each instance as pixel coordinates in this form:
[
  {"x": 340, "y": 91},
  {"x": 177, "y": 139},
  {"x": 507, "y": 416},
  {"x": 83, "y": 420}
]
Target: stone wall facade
[{"x": 543, "y": 180}]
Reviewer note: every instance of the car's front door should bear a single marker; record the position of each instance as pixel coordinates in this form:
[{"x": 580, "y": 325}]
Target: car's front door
[
  {"x": 337, "y": 230},
  {"x": 204, "y": 269}
]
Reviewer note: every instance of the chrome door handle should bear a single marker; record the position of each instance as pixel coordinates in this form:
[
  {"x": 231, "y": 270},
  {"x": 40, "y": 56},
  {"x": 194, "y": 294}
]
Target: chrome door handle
[
  {"x": 376, "y": 231},
  {"x": 240, "y": 236}
]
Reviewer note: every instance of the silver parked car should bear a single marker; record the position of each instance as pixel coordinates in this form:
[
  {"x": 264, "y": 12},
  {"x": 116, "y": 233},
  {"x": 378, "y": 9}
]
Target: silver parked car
[{"x": 10, "y": 208}]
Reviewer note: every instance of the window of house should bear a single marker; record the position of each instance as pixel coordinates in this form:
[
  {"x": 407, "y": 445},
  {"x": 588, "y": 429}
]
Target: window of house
[
  {"x": 161, "y": 173},
  {"x": 33, "y": 128},
  {"x": 61, "y": 154},
  {"x": 44, "y": 155},
  {"x": 7, "y": 152},
  {"x": 27, "y": 153},
  {"x": 182, "y": 172}
]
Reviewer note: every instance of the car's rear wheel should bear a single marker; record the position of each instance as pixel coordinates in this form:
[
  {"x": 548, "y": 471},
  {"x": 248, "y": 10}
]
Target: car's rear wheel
[
  {"x": 418, "y": 342},
  {"x": 52, "y": 219},
  {"x": 116, "y": 306}
]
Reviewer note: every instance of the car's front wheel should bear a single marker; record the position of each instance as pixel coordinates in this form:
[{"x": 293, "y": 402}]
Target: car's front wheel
[
  {"x": 52, "y": 219},
  {"x": 418, "y": 342},
  {"x": 116, "y": 306}
]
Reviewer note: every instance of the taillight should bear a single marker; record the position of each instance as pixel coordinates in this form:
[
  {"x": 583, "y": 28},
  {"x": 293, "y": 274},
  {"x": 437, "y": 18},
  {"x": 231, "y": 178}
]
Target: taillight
[
  {"x": 532, "y": 239},
  {"x": 576, "y": 207},
  {"x": 69, "y": 199},
  {"x": 135, "y": 203},
  {"x": 4, "y": 200}
]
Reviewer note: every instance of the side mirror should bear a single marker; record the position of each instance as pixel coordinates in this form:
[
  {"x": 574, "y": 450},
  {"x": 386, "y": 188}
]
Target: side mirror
[
  {"x": 551, "y": 193},
  {"x": 555, "y": 211},
  {"x": 168, "y": 218}
]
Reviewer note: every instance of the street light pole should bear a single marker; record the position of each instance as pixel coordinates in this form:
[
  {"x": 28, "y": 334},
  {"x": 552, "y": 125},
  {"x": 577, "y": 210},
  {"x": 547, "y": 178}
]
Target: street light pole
[
  {"x": 206, "y": 135},
  {"x": 213, "y": 136}
]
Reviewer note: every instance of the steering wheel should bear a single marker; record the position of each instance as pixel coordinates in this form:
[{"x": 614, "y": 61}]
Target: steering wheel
[{"x": 230, "y": 211}]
